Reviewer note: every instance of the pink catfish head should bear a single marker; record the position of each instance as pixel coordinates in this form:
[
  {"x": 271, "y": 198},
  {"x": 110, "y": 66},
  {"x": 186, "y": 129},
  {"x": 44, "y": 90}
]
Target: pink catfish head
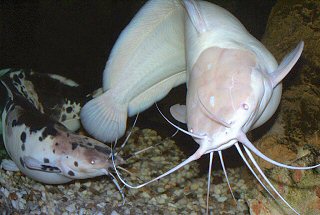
[{"x": 227, "y": 92}]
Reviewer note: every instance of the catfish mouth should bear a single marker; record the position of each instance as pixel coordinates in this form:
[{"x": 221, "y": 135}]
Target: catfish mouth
[{"x": 224, "y": 146}]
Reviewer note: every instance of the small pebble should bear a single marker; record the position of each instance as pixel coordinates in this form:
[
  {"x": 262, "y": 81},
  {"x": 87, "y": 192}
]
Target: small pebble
[
  {"x": 160, "y": 189},
  {"x": 114, "y": 213},
  {"x": 71, "y": 208},
  {"x": 222, "y": 199},
  {"x": 194, "y": 186}
]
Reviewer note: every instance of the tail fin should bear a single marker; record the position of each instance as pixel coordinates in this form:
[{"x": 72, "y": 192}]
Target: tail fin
[{"x": 104, "y": 117}]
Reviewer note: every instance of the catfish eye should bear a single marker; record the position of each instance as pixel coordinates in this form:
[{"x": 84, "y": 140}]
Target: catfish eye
[
  {"x": 245, "y": 106},
  {"x": 92, "y": 162}
]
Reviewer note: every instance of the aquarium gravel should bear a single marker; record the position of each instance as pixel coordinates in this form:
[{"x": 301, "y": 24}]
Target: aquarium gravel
[{"x": 183, "y": 192}]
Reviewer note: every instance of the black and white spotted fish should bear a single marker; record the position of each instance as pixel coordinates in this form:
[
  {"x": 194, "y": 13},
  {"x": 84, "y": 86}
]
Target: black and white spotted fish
[{"x": 38, "y": 141}]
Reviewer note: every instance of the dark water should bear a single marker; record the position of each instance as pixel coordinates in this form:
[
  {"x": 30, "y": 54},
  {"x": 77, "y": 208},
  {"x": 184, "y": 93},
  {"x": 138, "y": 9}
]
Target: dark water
[{"x": 74, "y": 38}]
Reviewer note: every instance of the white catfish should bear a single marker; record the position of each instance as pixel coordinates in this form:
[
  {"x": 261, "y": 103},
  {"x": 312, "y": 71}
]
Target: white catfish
[
  {"x": 233, "y": 86},
  {"x": 146, "y": 62}
]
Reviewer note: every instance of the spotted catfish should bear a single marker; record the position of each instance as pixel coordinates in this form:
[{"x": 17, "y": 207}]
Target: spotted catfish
[{"x": 42, "y": 147}]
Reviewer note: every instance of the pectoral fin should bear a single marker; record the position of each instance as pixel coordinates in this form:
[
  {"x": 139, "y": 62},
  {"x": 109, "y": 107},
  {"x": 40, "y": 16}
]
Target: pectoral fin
[
  {"x": 286, "y": 64},
  {"x": 35, "y": 164},
  {"x": 9, "y": 165},
  {"x": 179, "y": 112}
]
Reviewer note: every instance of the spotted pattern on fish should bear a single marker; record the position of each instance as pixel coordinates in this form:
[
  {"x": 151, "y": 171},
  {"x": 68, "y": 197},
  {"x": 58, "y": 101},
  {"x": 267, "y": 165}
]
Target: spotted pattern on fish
[
  {"x": 22, "y": 162},
  {"x": 71, "y": 173},
  {"x": 74, "y": 146},
  {"x": 23, "y": 137},
  {"x": 47, "y": 151}
]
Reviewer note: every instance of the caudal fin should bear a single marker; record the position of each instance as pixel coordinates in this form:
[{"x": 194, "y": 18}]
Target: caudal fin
[{"x": 104, "y": 118}]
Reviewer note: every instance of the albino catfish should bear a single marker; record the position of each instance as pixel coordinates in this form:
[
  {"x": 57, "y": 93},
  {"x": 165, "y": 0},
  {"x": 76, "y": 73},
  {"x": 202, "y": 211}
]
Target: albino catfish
[
  {"x": 234, "y": 86},
  {"x": 146, "y": 62}
]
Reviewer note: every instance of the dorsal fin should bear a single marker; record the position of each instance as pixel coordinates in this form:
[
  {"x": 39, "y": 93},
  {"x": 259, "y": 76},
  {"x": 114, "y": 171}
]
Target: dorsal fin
[{"x": 195, "y": 15}]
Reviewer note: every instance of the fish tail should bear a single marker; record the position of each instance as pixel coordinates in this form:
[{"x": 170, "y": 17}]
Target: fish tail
[{"x": 104, "y": 117}]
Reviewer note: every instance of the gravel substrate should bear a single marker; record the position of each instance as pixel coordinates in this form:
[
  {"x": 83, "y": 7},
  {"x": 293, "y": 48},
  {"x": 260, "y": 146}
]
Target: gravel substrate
[{"x": 183, "y": 192}]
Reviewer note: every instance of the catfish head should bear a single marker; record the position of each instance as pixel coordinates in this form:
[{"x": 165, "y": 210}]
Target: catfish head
[
  {"x": 73, "y": 156},
  {"x": 227, "y": 92},
  {"x": 85, "y": 157}
]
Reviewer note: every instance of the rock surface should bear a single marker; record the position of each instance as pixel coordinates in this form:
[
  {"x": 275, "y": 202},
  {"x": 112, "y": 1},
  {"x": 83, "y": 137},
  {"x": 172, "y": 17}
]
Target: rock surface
[{"x": 294, "y": 138}]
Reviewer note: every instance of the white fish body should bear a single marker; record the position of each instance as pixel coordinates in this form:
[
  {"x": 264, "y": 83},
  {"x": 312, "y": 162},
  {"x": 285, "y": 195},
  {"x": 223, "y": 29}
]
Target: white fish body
[
  {"x": 234, "y": 85},
  {"x": 146, "y": 62},
  {"x": 226, "y": 32}
]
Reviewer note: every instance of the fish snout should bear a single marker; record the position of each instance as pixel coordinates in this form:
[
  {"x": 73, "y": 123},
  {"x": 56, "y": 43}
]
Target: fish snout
[{"x": 217, "y": 141}]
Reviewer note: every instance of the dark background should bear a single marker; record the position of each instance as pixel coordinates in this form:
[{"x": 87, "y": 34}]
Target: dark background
[{"x": 74, "y": 38}]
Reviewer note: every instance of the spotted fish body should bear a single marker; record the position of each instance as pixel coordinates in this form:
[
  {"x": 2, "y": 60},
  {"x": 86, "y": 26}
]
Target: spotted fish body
[{"x": 42, "y": 147}]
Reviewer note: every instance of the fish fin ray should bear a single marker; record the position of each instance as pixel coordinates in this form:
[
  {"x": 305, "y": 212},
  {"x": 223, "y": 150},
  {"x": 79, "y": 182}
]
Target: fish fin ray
[{"x": 104, "y": 117}]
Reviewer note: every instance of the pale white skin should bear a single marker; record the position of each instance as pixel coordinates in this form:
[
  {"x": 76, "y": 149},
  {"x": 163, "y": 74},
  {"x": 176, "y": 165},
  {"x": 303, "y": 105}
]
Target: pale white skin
[
  {"x": 146, "y": 62},
  {"x": 223, "y": 83},
  {"x": 233, "y": 87},
  {"x": 233, "y": 84}
]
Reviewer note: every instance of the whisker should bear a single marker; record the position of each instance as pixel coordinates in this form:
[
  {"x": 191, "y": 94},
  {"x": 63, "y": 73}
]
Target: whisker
[
  {"x": 180, "y": 129},
  {"x": 115, "y": 181},
  {"x": 225, "y": 174},
  {"x": 253, "y": 172},
  {"x": 175, "y": 133},
  {"x": 128, "y": 136},
  {"x": 141, "y": 151},
  {"x": 209, "y": 181},
  {"x": 125, "y": 170},
  {"x": 245, "y": 141},
  {"x": 195, "y": 156},
  {"x": 266, "y": 179}
]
